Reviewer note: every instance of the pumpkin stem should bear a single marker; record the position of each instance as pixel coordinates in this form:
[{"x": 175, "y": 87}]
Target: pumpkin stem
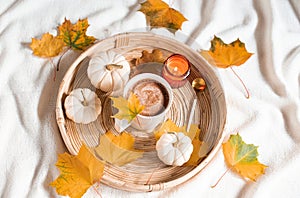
[
  {"x": 84, "y": 102},
  {"x": 111, "y": 67},
  {"x": 177, "y": 140}
]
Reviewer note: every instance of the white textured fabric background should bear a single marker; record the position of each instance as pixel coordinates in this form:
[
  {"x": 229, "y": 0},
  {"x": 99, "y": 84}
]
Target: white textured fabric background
[{"x": 29, "y": 136}]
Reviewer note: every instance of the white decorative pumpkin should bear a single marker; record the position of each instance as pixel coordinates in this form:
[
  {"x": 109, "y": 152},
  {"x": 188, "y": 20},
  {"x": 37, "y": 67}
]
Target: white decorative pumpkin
[
  {"x": 82, "y": 106},
  {"x": 109, "y": 71},
  {"x": 174, "y": 148}
]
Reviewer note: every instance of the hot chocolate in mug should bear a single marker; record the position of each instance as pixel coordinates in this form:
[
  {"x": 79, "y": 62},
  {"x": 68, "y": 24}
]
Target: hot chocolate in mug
[{"x": 155, "y": 94}]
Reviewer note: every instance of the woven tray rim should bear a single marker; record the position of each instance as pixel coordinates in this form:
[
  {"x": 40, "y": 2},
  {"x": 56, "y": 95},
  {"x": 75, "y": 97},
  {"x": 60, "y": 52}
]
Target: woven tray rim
[{"x": 120, "y": 40}]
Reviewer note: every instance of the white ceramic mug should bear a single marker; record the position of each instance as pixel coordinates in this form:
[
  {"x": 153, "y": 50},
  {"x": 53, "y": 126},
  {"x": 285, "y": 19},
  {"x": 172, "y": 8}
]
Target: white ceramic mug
[{"x": 148, "y": 123}]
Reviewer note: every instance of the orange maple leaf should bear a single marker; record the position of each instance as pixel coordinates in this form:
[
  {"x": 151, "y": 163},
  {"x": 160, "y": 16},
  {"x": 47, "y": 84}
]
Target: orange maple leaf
[
  {"x": 74, "y": 35},
  {"x": 47, "y": 46},
  {"x": 159, "y": 14},
  {"x": 225, "y": 55},
  {"x": 155, "y": 56}
]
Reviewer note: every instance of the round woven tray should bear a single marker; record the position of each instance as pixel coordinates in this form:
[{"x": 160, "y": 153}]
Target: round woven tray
[{"x": 147, "y": 173}]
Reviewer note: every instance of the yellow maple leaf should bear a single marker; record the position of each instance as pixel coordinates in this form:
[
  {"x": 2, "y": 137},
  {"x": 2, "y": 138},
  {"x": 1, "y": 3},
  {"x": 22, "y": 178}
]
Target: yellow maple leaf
[
  {"x": 167, "y": 126},
  {"x": 117, "y": 149},
  {"x": 124, "y": 140},
  {"x": 155, "y": 56},
  {"x": 127, "y": 109},
  {"x": 74, "y": 35},
  {"x": 77, "y": 173},
  {"x": 225, "y": 55},
  {"x": 159, "y": 14},
  {"x": 170, "y": 126},
  {"x": 200, "y": 150},
  {"x": 242, "y": 158},
  {"x": 47, "y": 46}
]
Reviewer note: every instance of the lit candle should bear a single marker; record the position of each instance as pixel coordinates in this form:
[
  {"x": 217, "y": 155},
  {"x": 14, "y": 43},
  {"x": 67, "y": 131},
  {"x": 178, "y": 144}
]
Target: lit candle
[{"x": 176, "y": 70}]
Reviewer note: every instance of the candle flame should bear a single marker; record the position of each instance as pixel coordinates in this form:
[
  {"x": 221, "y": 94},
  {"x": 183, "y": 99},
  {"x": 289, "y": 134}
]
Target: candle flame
[{"x": 175, "y": 69}]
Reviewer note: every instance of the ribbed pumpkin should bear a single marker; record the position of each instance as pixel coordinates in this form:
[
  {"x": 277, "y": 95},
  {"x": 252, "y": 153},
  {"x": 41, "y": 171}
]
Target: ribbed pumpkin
[
  {"x": 82, "y": 106},
  {"x": 174, "y": 148},
  {"x": 109, "y": 72}
]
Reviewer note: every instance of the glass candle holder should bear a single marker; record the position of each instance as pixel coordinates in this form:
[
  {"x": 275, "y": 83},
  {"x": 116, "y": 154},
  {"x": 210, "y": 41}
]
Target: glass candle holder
[{"x": 176, "y": 69}]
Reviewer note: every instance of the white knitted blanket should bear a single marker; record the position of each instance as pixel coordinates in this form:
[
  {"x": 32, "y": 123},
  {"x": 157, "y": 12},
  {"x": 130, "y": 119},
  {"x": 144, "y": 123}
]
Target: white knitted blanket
[{"x": 29, "y": 136}]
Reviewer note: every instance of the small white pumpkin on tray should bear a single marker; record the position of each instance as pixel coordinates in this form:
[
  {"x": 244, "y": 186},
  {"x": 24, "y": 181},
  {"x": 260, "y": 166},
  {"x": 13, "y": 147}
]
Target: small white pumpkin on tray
[
  {"x": 109, "y": 72},
  {"x": 174, "y": 148},
  {"x": 82, "y": 105}
]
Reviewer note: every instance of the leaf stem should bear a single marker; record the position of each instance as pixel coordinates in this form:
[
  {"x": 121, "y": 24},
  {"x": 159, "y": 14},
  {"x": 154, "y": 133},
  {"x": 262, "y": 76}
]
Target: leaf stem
[
  {"x": 220, "y": 178},
  {"x": 138, "y": 121},
  {"x": 95, "y": 189},
  {"x": 54, "y": 72},
  {"x": 58, "y": 62},
  {"x": 148, "y": 181},
  {"x": 171, "y": 2},
  {"x": 247, "y": 91}
]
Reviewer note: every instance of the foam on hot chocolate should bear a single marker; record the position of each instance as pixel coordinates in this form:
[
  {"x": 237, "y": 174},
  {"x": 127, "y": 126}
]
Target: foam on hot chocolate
[{"x": 151, "y": 96}]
